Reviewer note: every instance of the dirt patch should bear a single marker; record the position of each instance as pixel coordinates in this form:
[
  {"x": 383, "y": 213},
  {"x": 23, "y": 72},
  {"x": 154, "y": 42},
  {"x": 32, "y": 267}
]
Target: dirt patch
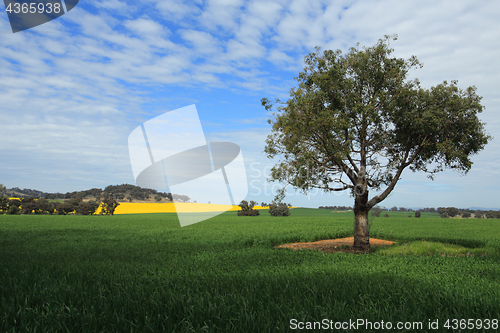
[{"x": 334, "y": 245}]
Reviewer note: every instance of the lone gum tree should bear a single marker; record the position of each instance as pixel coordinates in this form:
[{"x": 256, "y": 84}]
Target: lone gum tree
[{"x": 355, "y": 123}]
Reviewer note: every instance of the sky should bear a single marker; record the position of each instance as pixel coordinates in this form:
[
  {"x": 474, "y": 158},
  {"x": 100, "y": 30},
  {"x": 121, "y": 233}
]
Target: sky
[{"x": 72, "y": 90}]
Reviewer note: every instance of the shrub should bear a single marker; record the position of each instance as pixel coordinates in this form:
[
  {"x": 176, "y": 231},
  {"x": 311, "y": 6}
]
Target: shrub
[
  {"x": 253, "y": 212},
  {"x": 417, "y": 214},
  {"x": 376, "y": 212},
  {"x": 386, "y": 215},
  {"x": 28, "y": 207},
  {"x": 14, "y": 206},
  {"x": 64, "y": 208},
  {"x": 279, "y": 209},
  {"x": 478, "y": 214},
  {"x": 4, "y": 204},
  {"x": 87, "y": 208},
  {"x": 43, "y": 206},
  {"x": 13, "y": 210},
  {"x": 445, "y": 215},
  {"x": 465, "y": 215},
  {"x": 247, "y": 209},
  {"x": 109, "y": 205}
]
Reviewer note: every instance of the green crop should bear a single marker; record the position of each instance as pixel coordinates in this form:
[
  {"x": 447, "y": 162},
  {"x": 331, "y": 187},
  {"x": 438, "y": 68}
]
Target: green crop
[{"x": 144, "y": 273}]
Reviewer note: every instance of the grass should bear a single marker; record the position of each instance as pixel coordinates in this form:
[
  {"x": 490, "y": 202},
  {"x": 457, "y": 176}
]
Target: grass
[
  {"x": 144, "y": 273},
  {"x": 426, "y": 248}
]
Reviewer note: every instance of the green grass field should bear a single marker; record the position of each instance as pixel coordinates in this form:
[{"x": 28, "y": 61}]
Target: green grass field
[{"x": 144, "y": 273}]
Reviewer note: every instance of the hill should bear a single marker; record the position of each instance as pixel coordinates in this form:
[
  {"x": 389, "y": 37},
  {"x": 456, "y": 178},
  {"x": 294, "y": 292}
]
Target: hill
[{"x": 122, "y": 193}]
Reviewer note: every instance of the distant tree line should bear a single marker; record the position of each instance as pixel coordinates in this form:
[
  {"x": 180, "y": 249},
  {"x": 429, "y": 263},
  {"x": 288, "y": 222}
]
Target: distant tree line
[
  {"x": 134, "y": 192},
  {"x": 444, "y": 212},
  {"x": 264, "y": 204},
  {"x": 42, "y": 206},
  {"x": 401, "y": 209},
  {"x": 275, "y": 209},
  {"x": 16, "y": 192}
]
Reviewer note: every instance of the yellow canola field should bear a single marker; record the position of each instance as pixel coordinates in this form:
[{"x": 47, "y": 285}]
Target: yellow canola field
[{"x": 142, "y": 208}]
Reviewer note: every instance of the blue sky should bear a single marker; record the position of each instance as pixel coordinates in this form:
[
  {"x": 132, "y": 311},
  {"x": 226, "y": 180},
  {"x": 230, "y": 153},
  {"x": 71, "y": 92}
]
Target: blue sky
[{"x": 73, "y": 89}]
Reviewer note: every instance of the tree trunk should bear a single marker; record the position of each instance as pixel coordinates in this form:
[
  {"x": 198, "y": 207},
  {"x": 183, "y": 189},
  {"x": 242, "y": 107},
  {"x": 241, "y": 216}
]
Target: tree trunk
[{"x": 361, "y": 227}]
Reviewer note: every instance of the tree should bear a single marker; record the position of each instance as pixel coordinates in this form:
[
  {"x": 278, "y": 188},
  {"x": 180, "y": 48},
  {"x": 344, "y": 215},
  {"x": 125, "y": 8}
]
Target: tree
[
  {"x": 441, "y": 210},
  {"x": 43, "y": 206},
  {"x": 28, "y": 207},
  {"x": 417, "y": 214},
  {"x": 109, "y": 205},
  {"x": 75, "y": 201},
  {"x": 64, "y": 208},
  {"x": 478, "y": 214},
  {"x": 491, "y": 214},
  {"x": 13, "y": 209},
  {"x": 356, "y": 123},
  {"x": 466, "y": 215},
  {"x": 87, "y": 208},
  {"x": 279, "y": 209},
  {"x": 4, "y": 204},
  {"x": 247, "y": 208},
  {"x": 452, "y": 211}
]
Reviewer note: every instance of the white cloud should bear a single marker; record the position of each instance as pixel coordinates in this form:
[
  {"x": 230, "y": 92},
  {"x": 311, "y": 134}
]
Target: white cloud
[
  {"x": 112, "y": 5},
  {"x": 144, "y": 27},
  {"x": 203, "y": 42},
  {"x": 221, "y": 14},
  {"x": 177, "y": 10}
]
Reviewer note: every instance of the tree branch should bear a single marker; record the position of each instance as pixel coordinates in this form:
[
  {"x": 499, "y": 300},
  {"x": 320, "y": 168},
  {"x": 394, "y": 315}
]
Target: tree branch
[
  {"x": 376, "y": 199},
  {"x": 415, "y": 154}
]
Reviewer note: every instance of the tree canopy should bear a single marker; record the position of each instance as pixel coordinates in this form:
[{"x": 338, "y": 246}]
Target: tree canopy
[{"x": 355, "y": 122}]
